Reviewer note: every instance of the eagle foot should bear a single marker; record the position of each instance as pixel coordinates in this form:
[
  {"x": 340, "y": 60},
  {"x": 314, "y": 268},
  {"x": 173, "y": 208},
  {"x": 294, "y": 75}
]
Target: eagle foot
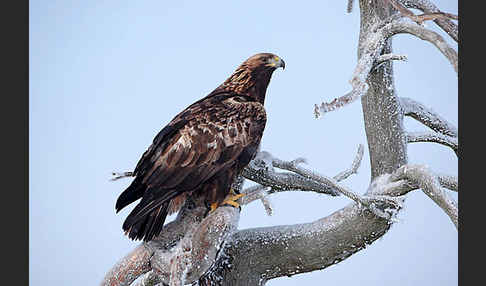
[{"x": 230, "y": 199}]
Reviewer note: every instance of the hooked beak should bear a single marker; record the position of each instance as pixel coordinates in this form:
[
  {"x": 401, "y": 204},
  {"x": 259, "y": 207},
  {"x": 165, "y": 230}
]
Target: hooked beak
[{"x": 277, "y": 62}]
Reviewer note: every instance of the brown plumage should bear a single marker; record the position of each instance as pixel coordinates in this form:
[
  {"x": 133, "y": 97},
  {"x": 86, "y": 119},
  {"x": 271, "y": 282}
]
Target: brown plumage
[{"x": 202, "y": 150}]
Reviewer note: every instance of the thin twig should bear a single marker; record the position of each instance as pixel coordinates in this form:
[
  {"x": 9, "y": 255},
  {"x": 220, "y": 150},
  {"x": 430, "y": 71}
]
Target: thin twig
[
  {"x": 349, "y": 8},
  {"x": 121, "y": 175},
  {"x": 354, "y": 166}
]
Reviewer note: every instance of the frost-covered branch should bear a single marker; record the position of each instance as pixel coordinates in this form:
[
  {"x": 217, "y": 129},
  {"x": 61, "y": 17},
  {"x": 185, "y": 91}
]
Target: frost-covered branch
[
  {"x": 125, "y": 271},
  {"x": 419, "y": 19},
  {"x": 260, "y": 254},
  {"x": 414, "y": 137},
  {"x": 428, "y": 7},
  {"x": 370, "y": 202},
  {"x": 265, "y": 162},
  {"x": 354, "y": 166},
  {"x": 427, "y": 117},
  {"x": 261, "y": 171},
  {"x": 425, "y": 34},
  {"x": 148, "y": 279},
  {"x": 350, "y": 5},
  {"x": 371, "y": 52},
  {"x": 449, "y": 182},
  {"x": 195, "y": 253},
  {"x": 388, "y": 57},
  {"x": 430, "y": 185}
]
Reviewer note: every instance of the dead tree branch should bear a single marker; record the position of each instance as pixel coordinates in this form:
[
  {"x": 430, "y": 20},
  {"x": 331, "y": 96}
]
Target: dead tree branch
[
  {"x": 430, "y": 185},
  {"x": 449, "y": 182},
  {"x": 388, "y": 57},
  {"x": 428, "y": 7},
  {"x": 134, "y": 264},
  {"x": 432, "y": 37},
  {"x": 372, "y": 49},
  {"x": 349, "y": 8},
  {"x": 419, "y": 19},
  {"x": 414, "y": 137},
  {"x": 292, "y": 249},
  {"x": 261, "y": 191},
  {"x": 427, "y": 117}
]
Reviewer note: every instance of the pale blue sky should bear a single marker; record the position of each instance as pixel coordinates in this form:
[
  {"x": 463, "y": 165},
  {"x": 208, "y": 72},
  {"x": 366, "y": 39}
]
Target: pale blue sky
[{"x": 106, "y": 76}]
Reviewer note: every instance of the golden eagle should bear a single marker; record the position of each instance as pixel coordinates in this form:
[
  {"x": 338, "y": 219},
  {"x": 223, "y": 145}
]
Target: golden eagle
[{"x": 202, "y": 150}]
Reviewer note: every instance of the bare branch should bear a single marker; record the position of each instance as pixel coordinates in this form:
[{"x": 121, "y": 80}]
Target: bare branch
[
  {"x": 127, "y": 270},
  {"x": 354, "y": 166},
  {"x": 117, "y": 176},
  {"x": 414, "y": 137},
  {"x": 449, "y": 182},
  {"x": 262, "y": 173},
  {"x": 260, "y": 192},
  {"x": 388, "y": 57},
  {"x": 370, "y": 202},
  {"x": 195, "y": 253},
  {"x": 371, "y": 53},
  {"x": 430, "y": 185},
  {"x": 419, "y": 19},
  {"x": 429, "y": 8},
  {"x": 427, "y": 117},
  {"x": 148, "y": 279},
  {"x": 397, "y": 27},
  {"x": 372, "y": 49},
  {"x": 267, "y": 205},
  {"x": 336, "y": 103},
  {"x": 349, "y": 8},
  {"x": 291, "y": 249}
]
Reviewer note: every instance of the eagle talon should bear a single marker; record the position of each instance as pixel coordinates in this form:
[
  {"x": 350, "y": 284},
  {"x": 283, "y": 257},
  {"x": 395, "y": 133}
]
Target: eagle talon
[
  {"x": 232, "y": 198},
  {"x": 213, "y": 207}
]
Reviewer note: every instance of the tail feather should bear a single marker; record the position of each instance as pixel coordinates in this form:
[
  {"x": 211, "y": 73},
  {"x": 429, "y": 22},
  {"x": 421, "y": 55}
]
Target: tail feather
[
  {"x": 132, "y": 193},
  {"x": 146, "y": 224}
]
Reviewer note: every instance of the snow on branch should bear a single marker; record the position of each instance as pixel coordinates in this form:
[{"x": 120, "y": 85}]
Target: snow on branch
[
  {"x": 419, "y": 19},
  {"x": 291, "y": 249},
  {"x": 262, "y": 172},
  {"x": 449, "y": 182},
  {"x": 397, "y": 27},
  {"x": 414, "y": 137},
  {"x": 427, "y": 117},
  {"x": 271, "y": 182},
  {"x": 354, "y": 166},
  {"x": 194, "y": 245},
  {"x": 371, "y": 202},
  {"x": 196, "y": 252},
  {"x": 429, "y": 8},
  {"x": 372, "y": 48},
  {"x": 430, "y": 185},
  {"x": 134, "y": 264},
  {"x": 388, "y": 57}
]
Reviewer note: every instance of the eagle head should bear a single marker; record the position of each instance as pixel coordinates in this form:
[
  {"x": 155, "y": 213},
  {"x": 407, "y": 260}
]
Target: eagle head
[
  {"x": 252, "y": 77},
  {"x": 264, "y": 62}
]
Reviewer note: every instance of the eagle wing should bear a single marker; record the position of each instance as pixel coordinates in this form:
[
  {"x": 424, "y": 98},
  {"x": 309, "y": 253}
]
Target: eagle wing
[{"x": 209, "y": 136}]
